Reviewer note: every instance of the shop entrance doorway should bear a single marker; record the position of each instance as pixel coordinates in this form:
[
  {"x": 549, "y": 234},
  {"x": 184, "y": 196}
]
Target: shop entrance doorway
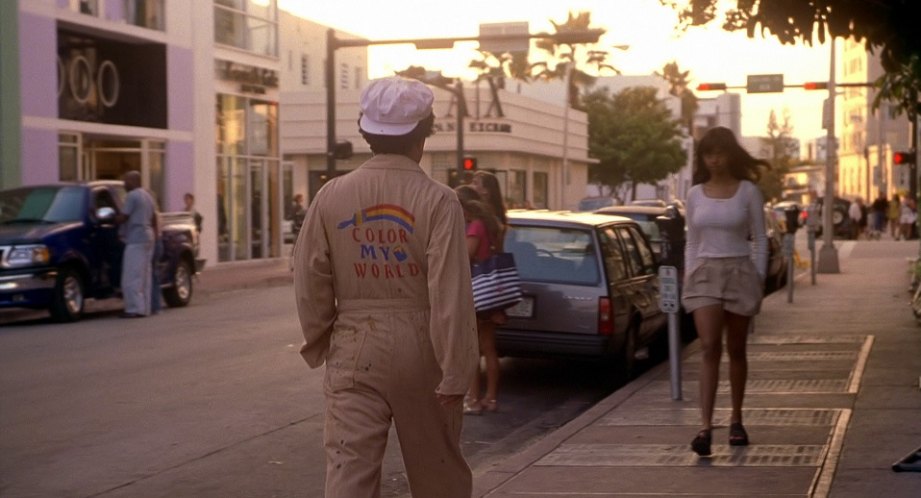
[
  {"x": 108, "y": 158},
  {"x": 249, "y": 208}
]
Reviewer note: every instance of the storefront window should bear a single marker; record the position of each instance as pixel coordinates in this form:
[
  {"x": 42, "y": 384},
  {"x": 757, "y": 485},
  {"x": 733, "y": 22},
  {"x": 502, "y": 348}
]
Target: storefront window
[
  {"x": 248, "y": 24},
  {"x": 231, "y": 119},
  {"x": 68, "y": 157},
  {"x": 262, "y": 130},
  {"x": 156, "y": 156},
  {"x": 517, "y": 185},
  {"x": 248, "y": 172},
  {"x": 539, "y": 194},
  {"x": 143, "y": 13}
]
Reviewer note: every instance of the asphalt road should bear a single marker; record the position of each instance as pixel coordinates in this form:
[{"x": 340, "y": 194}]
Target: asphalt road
[{"x": 212, "y": 400}]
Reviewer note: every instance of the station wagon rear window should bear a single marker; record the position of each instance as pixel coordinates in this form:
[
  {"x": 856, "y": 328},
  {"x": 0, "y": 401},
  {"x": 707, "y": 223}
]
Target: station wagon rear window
[{"x": 553, "y": 254}]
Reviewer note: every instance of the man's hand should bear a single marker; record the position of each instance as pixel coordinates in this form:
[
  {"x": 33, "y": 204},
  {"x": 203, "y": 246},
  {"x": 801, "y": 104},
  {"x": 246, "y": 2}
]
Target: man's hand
[{"x": 449, "y": 399}]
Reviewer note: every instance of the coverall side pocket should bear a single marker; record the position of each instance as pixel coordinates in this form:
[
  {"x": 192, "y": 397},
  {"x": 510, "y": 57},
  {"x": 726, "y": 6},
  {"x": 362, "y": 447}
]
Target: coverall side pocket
[{"x": 344, "y": 348}]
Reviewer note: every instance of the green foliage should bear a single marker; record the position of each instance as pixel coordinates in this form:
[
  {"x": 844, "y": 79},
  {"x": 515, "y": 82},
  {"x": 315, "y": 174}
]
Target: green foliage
[
  {"x": 888, "y": 27},
  {"x": 563, "y": 55},
  {"x": 781, "y": 148},
  {"x": 634, "y": 137},
  {"x": 678, "y": 86}
]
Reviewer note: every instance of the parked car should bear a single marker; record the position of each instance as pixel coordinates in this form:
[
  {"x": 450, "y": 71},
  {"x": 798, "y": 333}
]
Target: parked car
[
  {"x": 591, "y": 289},
  {"x": 645, "y": 217},
  {"x": 648, "y": 202},
  {"x": 593, "y": 203},
  {"x": 839, "y": 217},
  {"x": 776, "y": 276},
  {"x": 59, "y": 245}
]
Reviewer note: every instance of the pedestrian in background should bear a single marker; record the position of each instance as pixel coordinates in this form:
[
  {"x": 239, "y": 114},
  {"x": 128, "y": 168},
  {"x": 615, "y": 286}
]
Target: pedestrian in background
[
  {"x": 878, "y": 214},
  {"x": 855, "y": 215},
  {"x": 907, "y": 217},
  {"x": 482, "y": 238},
  {"x": 383, "y": 293},
  {"x": 189, "y": 200},
  {"x": 297, "y": 213},
  {"x": 487, "y": 185},
  {"x": 726, "y": 261},
  {"x": 892, "y": 214},
  {"x": 138, "y": 230}
]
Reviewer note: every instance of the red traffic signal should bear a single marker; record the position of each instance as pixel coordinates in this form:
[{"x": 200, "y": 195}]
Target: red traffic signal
[
  {"x": 711, "y": 86},
  {"x": 903, "y": 157},
  {"x": 816, "y": 85},
  {"x": 469, "y": 163}
]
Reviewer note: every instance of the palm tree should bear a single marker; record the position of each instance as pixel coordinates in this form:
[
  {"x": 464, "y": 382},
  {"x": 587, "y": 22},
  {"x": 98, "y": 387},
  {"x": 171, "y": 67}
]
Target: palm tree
[
  {"x": 678, "y": 86},
  {"x": 563, "y": 55}
]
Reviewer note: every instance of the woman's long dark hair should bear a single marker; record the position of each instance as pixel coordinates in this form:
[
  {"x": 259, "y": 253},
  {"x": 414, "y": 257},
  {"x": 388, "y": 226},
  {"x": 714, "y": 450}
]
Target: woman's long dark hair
[
  {"x": 494, "y": 194},
  {"x": 742, "y": 165},
  {"x": 476, "y": 208}
]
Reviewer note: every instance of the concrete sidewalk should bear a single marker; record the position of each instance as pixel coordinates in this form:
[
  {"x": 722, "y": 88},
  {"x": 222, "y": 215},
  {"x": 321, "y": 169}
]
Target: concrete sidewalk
[
  {"x": 222, "y": 277},
  {"x": 832, "y": 402}
]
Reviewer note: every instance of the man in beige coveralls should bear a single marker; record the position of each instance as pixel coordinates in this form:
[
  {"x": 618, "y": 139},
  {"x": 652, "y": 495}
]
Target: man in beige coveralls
[{"x": 382, "y": 282}]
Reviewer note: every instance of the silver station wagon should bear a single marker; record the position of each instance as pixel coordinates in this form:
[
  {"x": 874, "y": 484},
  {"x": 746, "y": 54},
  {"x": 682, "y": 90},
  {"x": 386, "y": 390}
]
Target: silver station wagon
[{"x": 591, "y": 289}]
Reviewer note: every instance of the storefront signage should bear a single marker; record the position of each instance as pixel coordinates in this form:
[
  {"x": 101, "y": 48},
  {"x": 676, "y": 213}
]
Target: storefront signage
[
  {"x": 478, "y": 126},
  {"x": 78, "y": 76},
  {"x": 104, "y": 80},
  {"x": 252, "y": 79}
]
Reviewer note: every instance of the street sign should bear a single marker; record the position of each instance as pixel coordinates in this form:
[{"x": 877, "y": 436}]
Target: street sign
[
  {"x": 668, "y": 289},
  {"x": 764, "y": 83}
]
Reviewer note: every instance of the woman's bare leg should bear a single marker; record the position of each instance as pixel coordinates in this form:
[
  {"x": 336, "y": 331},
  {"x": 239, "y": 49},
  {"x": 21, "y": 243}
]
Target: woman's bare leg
[{"x": 709, "y": 322}]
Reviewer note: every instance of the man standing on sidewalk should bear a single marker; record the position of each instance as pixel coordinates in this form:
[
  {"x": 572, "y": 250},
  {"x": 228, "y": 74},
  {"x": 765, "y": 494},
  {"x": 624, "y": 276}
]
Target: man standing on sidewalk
[{"x": 382, "y": 285}]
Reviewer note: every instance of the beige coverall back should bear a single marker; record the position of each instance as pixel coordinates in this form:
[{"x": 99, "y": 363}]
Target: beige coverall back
[{"x": 382, "y": 283}]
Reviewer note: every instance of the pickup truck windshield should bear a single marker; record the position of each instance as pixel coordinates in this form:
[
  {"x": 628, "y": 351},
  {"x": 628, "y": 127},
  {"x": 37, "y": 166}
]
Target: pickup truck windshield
[{"x": 41, "y": 205}]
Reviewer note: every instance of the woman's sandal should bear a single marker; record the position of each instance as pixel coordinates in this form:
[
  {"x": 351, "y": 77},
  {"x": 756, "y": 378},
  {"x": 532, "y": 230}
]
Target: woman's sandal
[
  {"x": 489, "y": 405},
  {"x": 701, "y": 443},
  {"x": 737, "y": 435},
  {"x": 472, "y": 407}
]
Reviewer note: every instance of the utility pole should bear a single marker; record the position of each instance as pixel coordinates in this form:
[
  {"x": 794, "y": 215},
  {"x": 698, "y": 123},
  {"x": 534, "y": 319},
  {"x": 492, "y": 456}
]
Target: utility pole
[{"x": 828, "y": 254}]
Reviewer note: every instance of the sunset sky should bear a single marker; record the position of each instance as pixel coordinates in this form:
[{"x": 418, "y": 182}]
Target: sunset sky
[{"x": 711, "y": 54}]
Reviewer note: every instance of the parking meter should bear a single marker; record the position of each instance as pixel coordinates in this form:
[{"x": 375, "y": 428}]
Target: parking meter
[
  {"x": 671, "y": 227},
  {"x": 791, "y": 213}
]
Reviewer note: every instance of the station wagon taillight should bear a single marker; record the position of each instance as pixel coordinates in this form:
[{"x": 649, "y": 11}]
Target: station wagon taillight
[{"x": 605, "y": 316}]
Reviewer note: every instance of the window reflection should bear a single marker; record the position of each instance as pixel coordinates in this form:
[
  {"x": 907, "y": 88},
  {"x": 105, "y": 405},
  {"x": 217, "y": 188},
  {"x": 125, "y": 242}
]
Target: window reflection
[{"x": 247, "y": 24}]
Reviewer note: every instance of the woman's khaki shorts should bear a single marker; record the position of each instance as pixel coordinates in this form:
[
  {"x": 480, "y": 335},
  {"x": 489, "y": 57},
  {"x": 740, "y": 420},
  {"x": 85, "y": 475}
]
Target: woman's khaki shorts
[{"x": 731, "y": 282}]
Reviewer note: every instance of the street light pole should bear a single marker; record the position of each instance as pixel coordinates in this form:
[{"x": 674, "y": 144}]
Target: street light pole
[
  {"x": 564, "y": 170},
  {"x": 331, "y": 47},
  {"x": 828, "y": 255}
]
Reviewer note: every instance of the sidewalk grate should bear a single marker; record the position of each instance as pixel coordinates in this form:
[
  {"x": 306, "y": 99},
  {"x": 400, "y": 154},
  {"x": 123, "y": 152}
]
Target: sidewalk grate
[
  {"x": 807, "y": 417},
  {"x": 800, "y": 355},
  {"x": 784, "y": 386},
  {"x": 805, "y": 339},
  {"x": 649, "y": 455}
]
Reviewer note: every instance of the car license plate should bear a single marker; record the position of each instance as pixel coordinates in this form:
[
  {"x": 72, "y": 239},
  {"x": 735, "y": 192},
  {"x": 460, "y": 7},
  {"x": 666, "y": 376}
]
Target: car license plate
[{"x": 524, "y": 308}]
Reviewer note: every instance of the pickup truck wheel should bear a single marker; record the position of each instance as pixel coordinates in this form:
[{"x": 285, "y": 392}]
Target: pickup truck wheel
[
  {"x": 180, "y": 294},
  {"x": 67, "y": 303}
]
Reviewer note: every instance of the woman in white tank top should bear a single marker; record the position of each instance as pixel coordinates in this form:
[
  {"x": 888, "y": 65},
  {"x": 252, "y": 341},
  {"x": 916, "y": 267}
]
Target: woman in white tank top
[{"x": 725, "y": 265}]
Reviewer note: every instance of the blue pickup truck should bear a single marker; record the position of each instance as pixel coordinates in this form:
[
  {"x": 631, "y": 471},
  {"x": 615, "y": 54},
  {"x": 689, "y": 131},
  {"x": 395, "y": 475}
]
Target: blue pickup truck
[{"x": 59, "y": 245}]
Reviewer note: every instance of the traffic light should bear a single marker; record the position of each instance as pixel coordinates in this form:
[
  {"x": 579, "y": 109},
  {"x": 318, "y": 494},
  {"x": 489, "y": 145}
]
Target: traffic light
[
  {"x": 903, "y": 157},
  {"x": 816, "y": 85},
  {"x": 469, "y": 163},
  {"x": 711, "y": 86}
]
